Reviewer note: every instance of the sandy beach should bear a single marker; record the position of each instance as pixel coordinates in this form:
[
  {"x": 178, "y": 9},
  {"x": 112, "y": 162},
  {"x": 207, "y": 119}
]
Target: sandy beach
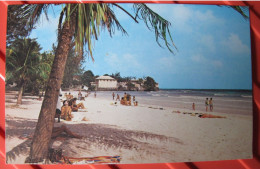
[{"x": 139, "y": 134}]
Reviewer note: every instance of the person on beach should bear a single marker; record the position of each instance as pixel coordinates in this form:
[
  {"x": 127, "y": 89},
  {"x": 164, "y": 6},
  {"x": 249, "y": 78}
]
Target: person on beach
[
  {"x": 79, "y": 95},
  {"x": 117, "y": 97},
  {"x": 69, "y": 96},
  {"x": 136, "y": 103},
  {"x": 66, "y": 111},
  {"x": 56, "y": 131},
  {"x": 58, "y": 107},
  {"x": 134, "y": 100},
  {"x": 193, "y": 106},
  {"x": 211, "y": 104},
  {"x": 207, "y": 103},
  {"x": 122, "y": 101},
  {"x": 74, "y": 106},
  {"x": 129, "y": 101},
  {"x": 125, "y": 98},
  {"x": 113, "y": 95},
  {"x": 95, "y": 94}
]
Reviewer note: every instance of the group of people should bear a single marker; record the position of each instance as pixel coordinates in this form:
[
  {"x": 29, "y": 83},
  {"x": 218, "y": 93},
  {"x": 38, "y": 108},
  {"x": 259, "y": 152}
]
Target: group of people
[
  {"x": 69, "y": 105},
  {"x": 208, "y": 104},
  {"x": 126, "y": 100}
]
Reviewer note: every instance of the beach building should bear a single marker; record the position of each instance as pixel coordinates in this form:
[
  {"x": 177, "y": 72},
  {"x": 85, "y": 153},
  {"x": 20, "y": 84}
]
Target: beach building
[
  {"x": 106, "y": 83},
  {"x": 122, "y": 85},
  {"x": 138, "y": 85},
  {"x": 157, "y": 85}
]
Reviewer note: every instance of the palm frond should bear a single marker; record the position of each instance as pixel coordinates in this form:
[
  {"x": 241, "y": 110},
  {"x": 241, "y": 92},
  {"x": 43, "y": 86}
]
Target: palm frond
[
  {"x": 156, "y": 23},
  {"x": 22, "y": 148},
  {"x": 113, "y": 21},
  {"x": 241, "y": 10},
  {"x": 134, "y": 18},
  {"x": 90, "y": 18},
  {"x": 33, "y": 12}
]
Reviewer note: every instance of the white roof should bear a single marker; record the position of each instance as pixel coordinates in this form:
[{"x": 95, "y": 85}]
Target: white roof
[{"x": 105, "y": 78}]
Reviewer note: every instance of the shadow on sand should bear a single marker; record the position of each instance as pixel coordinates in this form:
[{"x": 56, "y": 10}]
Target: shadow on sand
[{"x": 100, "y": 135}]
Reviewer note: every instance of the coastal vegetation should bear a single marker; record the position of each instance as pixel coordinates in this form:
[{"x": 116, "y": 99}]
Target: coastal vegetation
[
  {"x": 27, "y": 67},
  {"x": 128, "y": 83}
]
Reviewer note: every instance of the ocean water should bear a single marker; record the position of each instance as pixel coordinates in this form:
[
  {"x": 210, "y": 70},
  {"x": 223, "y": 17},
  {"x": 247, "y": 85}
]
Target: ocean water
[{"x": 224, "y": 101}]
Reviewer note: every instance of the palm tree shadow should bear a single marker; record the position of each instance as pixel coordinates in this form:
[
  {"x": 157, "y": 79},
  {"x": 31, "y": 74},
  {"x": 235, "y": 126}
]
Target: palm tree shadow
[{"x": 104, "y": 136}]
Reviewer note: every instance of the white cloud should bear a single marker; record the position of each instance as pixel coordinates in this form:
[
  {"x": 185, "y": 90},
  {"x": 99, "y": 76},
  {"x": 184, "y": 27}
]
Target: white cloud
[
  {"x": 208, "y": 17},
  {"x": 123, "y": 63},
  {"x": 181, "y": 17},
  {"x": 166, "y": 62},
  {"x": 131, "y": 59},
  {"x": 46, "y": 31},
  {"x": 235, "y": 45},
  {"x": 171, "y": 65},
  {"x": 217, "y": 63},
  {"x": 112, "y": 59},
  {"x": 202, "y": 60},
  {"x": 208, "y": 42},
  {"x": 198, "y": 58},
  {"x": 181, "y": 13}
]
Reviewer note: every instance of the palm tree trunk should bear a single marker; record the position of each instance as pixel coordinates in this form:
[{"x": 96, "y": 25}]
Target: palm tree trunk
[
  {"x": 20, "y": 95},
  {"x": 43, "y": 131}
]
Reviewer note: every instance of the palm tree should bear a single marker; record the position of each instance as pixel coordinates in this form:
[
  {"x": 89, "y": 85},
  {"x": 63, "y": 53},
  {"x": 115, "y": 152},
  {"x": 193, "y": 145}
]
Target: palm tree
[
  {"x": 24, "y": 61},
  {"x": 81, "y": 23},
  {"x": 38, "y": 81}
]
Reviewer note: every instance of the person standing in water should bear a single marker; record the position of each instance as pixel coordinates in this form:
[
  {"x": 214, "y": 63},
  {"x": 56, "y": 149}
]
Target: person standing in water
[
  {"x": 117, "y": 97},
  {"x": 207, "y": 104},
  {"x": 211, "y": 104},
  {"x": 113, "y": 95}
]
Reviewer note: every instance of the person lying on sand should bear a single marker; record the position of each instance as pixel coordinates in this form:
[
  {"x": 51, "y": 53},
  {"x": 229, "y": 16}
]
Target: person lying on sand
[
  {"x": 56, "y": 131},
  {"x": 74, "y": 106},
  {"x": 210, "y": 116},
  {"x": 66, "y": 111}
]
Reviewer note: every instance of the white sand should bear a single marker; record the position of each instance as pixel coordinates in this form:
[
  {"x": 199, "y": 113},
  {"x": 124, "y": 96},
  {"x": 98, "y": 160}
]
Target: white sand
[{"x": 193, "y": 138}]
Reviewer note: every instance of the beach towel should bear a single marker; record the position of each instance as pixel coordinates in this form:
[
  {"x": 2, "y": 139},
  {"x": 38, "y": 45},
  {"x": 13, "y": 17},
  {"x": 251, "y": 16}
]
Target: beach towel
[
  {"x": 56, "y": 157},
  {"x": 82, "y": 110},
  {"x": 210, "y": 116}
]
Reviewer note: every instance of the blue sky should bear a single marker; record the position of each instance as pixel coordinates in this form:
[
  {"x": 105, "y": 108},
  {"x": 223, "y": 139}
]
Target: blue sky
[{"x": 213, "y": 48}]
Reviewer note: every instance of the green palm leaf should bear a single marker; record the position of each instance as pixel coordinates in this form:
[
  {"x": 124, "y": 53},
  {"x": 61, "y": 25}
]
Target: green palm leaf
[{"x": 156, "y": 23}]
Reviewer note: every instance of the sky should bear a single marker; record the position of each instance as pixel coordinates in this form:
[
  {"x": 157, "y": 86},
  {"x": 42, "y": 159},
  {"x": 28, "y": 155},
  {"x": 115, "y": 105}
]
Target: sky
[{"x": 213, "y": 45}]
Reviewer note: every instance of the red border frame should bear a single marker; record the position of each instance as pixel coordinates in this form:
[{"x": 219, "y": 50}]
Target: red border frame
[{"x": 238, "y": 164}]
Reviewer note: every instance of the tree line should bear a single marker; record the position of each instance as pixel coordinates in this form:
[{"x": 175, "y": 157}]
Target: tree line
[{"x": 88, "y": 77}]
